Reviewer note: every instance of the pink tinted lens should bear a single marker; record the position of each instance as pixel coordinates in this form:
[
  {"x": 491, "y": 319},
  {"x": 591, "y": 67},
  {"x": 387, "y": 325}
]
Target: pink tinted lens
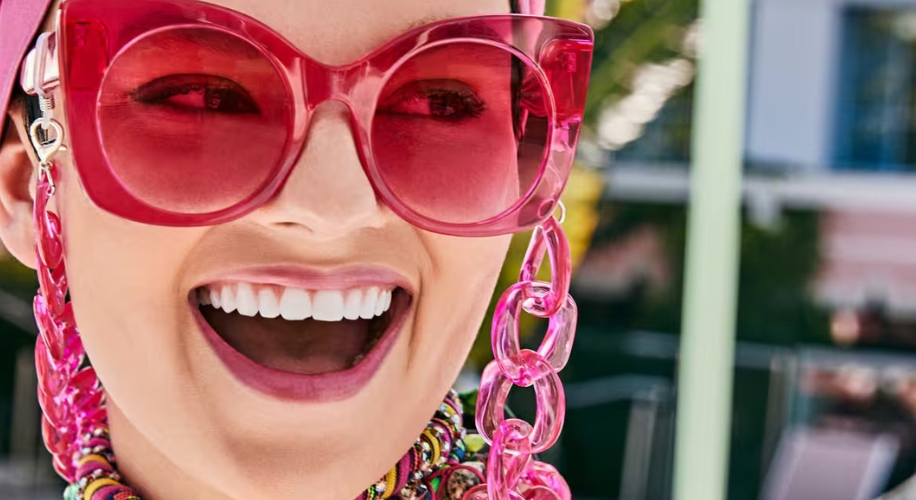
[
  {"x": 460, "y": 132},
  {"x": 193, "y": 120}
]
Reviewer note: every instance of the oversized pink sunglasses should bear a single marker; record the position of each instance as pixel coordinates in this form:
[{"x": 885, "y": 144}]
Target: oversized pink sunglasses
[{"x": 183, "y": 113}]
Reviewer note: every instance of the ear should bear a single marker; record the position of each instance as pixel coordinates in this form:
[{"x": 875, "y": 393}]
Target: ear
[{"x": 17, "y": 177}]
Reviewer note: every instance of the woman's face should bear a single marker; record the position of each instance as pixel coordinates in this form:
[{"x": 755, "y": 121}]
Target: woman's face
[{"x": 193, "y": 418}]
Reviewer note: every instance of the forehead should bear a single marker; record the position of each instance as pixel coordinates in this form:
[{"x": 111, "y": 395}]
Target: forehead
[{"x": 339, "y": 31}]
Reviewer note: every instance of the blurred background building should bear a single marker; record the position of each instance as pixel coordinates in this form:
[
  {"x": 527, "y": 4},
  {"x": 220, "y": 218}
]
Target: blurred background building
[
  {"x": 825, "y": 372},
  {"x": 823, "y": 405}
]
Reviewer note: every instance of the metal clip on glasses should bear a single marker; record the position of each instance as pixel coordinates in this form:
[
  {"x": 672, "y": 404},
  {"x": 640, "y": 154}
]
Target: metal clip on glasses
[{"x": 40, "y": 76}]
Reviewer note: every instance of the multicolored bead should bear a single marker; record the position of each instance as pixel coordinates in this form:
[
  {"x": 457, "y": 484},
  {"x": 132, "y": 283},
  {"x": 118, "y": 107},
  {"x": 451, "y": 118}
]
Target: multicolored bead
[{"x": 440, "y": 465}]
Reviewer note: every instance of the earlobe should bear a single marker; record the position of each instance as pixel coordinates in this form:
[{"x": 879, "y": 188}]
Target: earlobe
[{"x": 17, "y": 172}]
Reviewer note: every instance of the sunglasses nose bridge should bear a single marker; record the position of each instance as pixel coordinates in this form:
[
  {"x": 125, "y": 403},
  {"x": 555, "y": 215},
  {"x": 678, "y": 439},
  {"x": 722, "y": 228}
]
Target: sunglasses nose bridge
[
  {"x": 347, "y": 88},
  {"x": 329, "y": 83}
]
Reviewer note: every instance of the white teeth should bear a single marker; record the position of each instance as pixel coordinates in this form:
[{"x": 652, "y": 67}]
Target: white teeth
[
  {"x": 380, "y": 304},
  {"x": 352, "y": 304},
  {"x": 246, "y": 301},
  {"x": 228, "y": 299},
  {"x": 384, "y": 300},
  {"x": 367, "y": 308},
  {"x": 271, "y": 301},
  {"x": 268, "y": 305},
  {"x": 328, "y": 305},
  {"x": 295, "y": 304}
]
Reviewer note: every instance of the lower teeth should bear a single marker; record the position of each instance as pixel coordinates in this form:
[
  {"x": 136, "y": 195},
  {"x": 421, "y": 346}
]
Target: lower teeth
[{"x": 356, "y": 359}]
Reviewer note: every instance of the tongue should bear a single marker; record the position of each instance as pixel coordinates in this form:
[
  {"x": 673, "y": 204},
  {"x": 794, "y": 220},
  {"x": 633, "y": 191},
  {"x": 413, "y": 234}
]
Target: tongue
[{"x": 307, "y": 347}]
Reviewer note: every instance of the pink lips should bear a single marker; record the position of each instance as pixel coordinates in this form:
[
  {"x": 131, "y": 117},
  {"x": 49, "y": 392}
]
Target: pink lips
[{"x": 324, "y": 387}]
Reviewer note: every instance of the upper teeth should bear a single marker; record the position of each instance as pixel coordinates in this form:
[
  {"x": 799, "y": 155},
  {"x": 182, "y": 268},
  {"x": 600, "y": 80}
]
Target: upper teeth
[{"x": 270, "y": 301}]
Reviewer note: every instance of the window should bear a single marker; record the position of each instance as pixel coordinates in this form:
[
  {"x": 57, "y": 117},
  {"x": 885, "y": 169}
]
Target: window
[{"x": 877, "y": 99}]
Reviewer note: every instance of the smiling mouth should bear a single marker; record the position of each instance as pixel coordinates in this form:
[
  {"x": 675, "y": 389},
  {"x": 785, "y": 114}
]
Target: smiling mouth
[{"x": 305, "y": 332}]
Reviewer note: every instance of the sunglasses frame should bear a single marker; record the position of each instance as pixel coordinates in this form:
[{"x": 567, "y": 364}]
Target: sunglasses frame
[{"x": 91, "y": 34}]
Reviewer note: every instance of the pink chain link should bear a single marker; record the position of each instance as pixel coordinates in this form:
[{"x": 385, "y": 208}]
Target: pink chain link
[
  {"x": 551, "y": 407},
  {"x": 550, "y": 238},
  {"x": 71, "y": 397},
  {"x": 555, "y": 347},
  {"x": 512, "y": 473}
]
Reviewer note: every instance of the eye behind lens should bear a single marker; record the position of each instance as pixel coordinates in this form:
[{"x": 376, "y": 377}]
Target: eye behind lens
[
  {"x": 197, "y": 92},
  {"x": 445, "y": 100}
]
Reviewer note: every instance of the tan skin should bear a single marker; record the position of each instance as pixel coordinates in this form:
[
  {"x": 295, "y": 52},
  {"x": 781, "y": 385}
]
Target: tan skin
[{"x": 183, "y": 427}]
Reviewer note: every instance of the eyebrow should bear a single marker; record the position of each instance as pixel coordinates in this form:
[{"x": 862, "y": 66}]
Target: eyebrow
[
  {"x": 424, "y": 21},
  {"x": 482, "y": 29},
  {"x": 224, "y": 46}
]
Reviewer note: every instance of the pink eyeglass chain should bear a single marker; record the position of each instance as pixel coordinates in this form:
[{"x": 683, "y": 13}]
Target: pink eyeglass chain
[
  {"x": 512, "y": 473},
  {"x": 70, "y": 396}
]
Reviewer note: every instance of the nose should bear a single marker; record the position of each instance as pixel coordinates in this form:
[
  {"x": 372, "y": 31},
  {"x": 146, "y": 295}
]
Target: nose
[{"x": 327, "y": 193}]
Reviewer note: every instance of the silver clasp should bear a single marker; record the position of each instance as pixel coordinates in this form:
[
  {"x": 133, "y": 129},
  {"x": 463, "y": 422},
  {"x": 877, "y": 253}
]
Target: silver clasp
[
  {"x": 46, "y": 150},
  {"x": 40, "y": 76}
]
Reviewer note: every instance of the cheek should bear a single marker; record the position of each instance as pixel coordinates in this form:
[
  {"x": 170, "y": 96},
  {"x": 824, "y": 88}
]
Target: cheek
[
  {"x": 190, "y": 173},
  {"x": 455, "y": 174},
  {"x": 123, "y": 285},
  {"x": 454, "y": 299}
]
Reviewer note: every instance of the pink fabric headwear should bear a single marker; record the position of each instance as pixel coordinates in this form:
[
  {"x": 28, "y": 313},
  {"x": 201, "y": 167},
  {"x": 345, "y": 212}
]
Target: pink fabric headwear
[{"x": 20, "y": 20}]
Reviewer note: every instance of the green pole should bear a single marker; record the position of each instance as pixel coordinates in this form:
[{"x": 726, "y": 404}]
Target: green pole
[{"x": 708, "y": 340}]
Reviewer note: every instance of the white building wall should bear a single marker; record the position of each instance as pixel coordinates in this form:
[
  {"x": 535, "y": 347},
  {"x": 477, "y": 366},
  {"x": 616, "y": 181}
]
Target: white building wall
[{"x": 793, "y": 81}]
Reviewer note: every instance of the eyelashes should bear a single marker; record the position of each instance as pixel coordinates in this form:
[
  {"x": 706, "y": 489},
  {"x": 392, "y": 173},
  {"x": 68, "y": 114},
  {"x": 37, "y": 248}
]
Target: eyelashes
[
  {"x": 449, "y": 101},
  {"x": 197, "y": 93},
  {"x": 444, "y": 100}
]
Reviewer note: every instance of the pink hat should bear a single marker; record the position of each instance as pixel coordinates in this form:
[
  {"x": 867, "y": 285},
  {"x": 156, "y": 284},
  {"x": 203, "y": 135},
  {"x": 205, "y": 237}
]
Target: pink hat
[{"x": 20, "y": 20}]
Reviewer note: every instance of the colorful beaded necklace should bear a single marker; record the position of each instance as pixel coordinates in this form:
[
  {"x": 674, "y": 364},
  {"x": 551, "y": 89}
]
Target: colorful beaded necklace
[{"x": 443, "y": 464}]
